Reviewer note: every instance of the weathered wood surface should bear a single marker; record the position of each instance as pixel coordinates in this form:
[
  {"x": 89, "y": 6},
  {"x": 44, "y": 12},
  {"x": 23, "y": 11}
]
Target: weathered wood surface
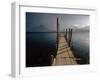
[{"x": 64, "y": 54}]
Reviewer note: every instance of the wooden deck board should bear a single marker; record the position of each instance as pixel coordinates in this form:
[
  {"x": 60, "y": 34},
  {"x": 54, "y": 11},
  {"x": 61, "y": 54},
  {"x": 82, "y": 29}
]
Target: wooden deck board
[{"x": 64, "y": 54}]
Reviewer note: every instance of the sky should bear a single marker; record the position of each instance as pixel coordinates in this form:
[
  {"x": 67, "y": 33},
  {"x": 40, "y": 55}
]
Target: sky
[{"x": 47, "y": 22}]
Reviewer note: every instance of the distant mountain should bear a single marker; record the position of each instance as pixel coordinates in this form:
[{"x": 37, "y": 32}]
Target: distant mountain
[
  {"x": 86, "y": 28},
  {"x": 81, "y": 29},
  {"x": 40, "y": 28}
]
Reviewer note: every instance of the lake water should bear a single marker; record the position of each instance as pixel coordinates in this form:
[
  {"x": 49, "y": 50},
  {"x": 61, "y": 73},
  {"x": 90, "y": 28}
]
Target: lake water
[
  {"x": 80, "y": 45},
  {"x": 39, "y": 47}
]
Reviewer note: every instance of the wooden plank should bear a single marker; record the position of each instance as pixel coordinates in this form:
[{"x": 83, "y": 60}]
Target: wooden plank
[
  {"x": 73, "y": 61},
  {"x": 70, "y": 53},
  {"x": 64, "y": 54},
  {"x": 68, "y": 61}
]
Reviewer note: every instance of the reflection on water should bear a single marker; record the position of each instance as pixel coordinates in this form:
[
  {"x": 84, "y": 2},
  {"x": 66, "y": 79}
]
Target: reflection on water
[
  {"x": 40, "y": 47},
  {"x": 80, "y": 45}
]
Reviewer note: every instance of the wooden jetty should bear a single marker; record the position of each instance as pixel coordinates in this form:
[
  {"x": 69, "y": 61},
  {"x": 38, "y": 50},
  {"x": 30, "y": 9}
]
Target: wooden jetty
[{"x": 64, "y": 55}]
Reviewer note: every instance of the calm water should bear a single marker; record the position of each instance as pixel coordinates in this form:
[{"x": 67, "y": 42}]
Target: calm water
[
  {"x": 39, "y": 47},
  {"x": 80, "y": 45}
]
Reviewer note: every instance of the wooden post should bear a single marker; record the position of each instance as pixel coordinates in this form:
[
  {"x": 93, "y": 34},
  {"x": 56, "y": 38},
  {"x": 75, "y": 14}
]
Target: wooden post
[
  {"x": 66, "y": 34},
  {"x": 70, "y": 37},
  {"x": 57, "y": 31}
]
